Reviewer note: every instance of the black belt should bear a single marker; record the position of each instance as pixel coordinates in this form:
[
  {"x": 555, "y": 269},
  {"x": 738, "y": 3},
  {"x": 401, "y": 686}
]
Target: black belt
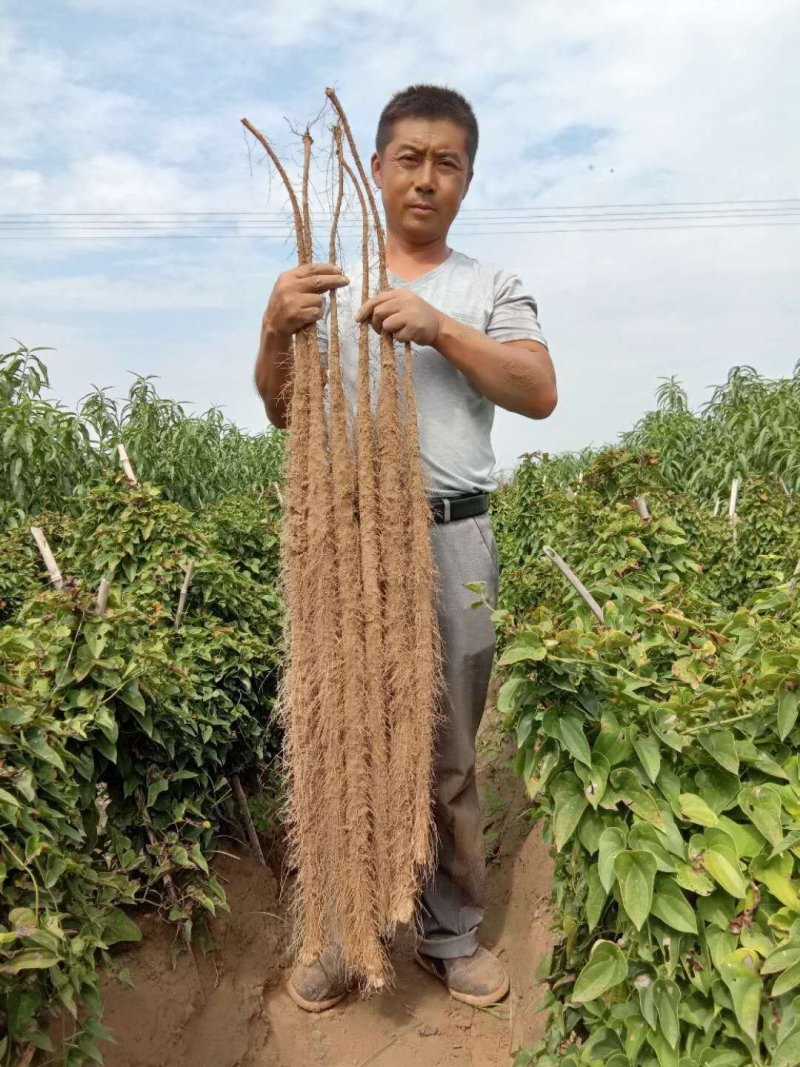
[{"x": 452, "y": 508}]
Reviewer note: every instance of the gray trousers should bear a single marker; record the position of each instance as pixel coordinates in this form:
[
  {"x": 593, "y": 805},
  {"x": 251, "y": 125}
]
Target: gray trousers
[{"x": 452, "y": 903}]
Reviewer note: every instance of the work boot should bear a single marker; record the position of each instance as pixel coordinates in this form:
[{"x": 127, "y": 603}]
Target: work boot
[
  {"x": 479, "y": 980},
  {"x": 321, "y": 985}
]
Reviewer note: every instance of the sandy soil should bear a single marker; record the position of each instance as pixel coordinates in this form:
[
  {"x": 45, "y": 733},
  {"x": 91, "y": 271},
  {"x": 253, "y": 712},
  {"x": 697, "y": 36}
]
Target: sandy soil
[{"x": 228, "y": 1008}]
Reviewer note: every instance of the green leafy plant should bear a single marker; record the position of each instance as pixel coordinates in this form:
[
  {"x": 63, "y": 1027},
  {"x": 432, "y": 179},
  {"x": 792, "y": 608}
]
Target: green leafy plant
[{"x": 660, "y": 748}]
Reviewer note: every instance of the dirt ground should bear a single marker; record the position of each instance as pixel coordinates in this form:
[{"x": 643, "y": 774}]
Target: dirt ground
[{"x": 228, "y": 1008}]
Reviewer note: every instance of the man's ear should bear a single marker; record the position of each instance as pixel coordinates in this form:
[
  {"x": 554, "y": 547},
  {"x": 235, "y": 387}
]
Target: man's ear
[
  {"x": 469, "y": 182},
  {"x": 375, "y": 164}
]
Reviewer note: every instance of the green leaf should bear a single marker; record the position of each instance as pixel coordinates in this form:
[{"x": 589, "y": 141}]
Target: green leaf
[
  {"x": 672, "y": 907},
  {"x": 117, "y": 926},
  {"x": 636, "y": 796},
  {"x": 606, "y": 968},
  {"x": 695, "y": 879},
  {"x": 747, "y": 839},
  {"x": 762, "y": 806},
  {"x": 789, "y": 980},
  {"x": 612, "y": 842},
  {"x": 644, "y": 836},
  {"x": 595, "y": 898},
  {"x": 571, "y": 735},
  {"x": 781, "y": 958},
  {"x": 527, "y": 647},
  {"x": 613, "y": 743},
  {"x": 775, "y": 874},
  {"x": 508, "y": 694},
  {"x": 131, "y": 695},
  {"x": 29, "y": 959},
  {"x": 595, "y": 779},
  {"x": 636, "y": 872},
  {"x": 649, "y": 753},
  {"x": 695, "y": 809},
  {"x": 721, "y": 861},
  {"x": 787, "y": 1052},
  {"x": 788, "y": 703},
  {"x": 569, "y": 804},
  {"x": 721, "y": 746},
  {"x": 739, "y": 972},
  {"x": 667, "y": 999}
]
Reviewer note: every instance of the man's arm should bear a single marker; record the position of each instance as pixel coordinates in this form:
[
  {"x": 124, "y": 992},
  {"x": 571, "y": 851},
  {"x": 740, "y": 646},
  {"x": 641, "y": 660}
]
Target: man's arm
[
  {"x": 274, "y": 372},
  {"x": 295, "y": 302},
  {"x": 517, "y": 375}
]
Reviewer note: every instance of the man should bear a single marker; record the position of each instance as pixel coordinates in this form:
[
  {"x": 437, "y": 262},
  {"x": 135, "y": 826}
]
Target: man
[{"x": 476, "y": 343}]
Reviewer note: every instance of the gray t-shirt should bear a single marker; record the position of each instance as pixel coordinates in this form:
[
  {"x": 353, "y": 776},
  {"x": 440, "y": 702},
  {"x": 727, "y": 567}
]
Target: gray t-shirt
[{"x": 455, "y": 420}]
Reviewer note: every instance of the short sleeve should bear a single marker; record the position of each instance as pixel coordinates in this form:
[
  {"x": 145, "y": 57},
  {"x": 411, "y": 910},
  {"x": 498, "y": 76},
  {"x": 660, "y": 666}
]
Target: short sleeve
[{"x": 514, "y": 314}]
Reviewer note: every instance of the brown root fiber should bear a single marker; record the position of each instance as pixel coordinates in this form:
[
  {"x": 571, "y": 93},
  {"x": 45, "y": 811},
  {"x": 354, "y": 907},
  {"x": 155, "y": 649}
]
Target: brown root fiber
[{"x": 362, "y": 675}]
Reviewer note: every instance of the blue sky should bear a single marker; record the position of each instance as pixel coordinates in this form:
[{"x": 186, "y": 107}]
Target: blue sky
[{"x": 113, "y": 105}]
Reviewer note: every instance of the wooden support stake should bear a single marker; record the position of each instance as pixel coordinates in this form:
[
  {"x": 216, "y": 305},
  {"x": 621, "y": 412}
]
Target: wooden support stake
[
  {"x": 48, "y": 558},
  {"x": 126, "y": 464},
  {"x": 247, "y": 818},
  {"x": 184, "y": 593},
  {"x": 717, "y": 503},
  {"x": 732, "y": 516},
  {"x": 101, "y": 604},
  {"x": 641, "y": 507},
  {"x": 795, "y": 578},
  {"x": 277, "y": 490},
  {"x": 785, "y": 488},
  {"x": 575, "y": 581},
  {"x": 734, "y": 500}
]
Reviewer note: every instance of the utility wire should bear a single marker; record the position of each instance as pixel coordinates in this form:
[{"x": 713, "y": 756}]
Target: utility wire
[{"x": 499, "y": 222}]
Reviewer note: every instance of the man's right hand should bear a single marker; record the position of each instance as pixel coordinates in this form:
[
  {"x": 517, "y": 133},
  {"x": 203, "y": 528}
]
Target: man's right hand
[{"x": 296, "y": 298}]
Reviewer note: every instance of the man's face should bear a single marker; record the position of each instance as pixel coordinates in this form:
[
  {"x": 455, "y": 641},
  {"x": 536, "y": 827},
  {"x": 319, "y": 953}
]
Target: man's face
[{"x": 423, "y": 174}]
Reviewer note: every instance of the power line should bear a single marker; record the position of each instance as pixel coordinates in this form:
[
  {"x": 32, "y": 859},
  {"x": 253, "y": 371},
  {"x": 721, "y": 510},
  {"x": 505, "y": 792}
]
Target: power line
[
  {"x": 537, "y": 208},
  {"x": 219, "y": 225},
  {"x": 455, "y": 232}
]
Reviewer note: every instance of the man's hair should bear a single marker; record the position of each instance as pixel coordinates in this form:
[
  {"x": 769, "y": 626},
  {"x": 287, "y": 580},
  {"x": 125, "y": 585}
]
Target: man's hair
[{"x": 428, "y": 102}]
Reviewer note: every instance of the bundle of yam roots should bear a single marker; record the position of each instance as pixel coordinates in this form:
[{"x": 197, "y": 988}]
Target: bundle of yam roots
[{"x": 363, "y": 669}]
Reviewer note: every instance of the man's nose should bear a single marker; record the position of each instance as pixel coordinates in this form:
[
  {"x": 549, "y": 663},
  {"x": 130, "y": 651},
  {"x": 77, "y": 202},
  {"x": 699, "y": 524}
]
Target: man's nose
[{"x": 426, "y": 176}]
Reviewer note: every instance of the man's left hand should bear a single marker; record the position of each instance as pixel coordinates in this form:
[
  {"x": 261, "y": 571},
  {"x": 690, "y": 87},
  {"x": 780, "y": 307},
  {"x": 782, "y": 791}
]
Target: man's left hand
[{"x": 403, "y": 314}]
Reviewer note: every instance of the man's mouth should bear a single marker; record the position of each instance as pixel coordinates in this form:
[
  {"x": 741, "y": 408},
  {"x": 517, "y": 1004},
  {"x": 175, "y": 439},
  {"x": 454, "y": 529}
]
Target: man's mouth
[{"x": 422, "y": 208}]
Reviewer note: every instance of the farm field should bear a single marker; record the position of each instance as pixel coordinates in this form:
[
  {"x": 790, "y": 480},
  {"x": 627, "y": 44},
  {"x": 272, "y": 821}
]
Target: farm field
[{"x": 647, "y": 732}]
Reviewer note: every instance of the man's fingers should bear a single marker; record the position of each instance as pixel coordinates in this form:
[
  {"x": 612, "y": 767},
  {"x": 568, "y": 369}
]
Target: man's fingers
[
  {"x": 309, "y": 269},
  {"x": 366, "y": 309},
  {"x": 393, "y": 323},
  {"x": 322, "y": 283}
]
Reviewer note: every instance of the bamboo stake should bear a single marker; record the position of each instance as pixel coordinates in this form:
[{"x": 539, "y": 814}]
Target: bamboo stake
[
  {"x": 785, "y": 488},
  {"x": 575, "y": 581},
  {"x": 641, "y": 507},
  {"x": 184, "y": 593},
  {"x": 732, "y": 506},
  {"x": 277, "y": 491},
  {"x": 717, "y": 503},
  {"x": 247, "y": 818},
  {"x": 734, "y": 499},
  {"x": 101, "y": 604},
  {"x": 48, "y": 558},
  {"x": 126, "y": 464}
]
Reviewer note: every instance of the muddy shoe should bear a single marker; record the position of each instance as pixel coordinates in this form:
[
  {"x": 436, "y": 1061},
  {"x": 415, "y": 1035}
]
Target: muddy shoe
[
  {"x": 479, "y": 980},
  {"x": 319, "y": 986}
]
